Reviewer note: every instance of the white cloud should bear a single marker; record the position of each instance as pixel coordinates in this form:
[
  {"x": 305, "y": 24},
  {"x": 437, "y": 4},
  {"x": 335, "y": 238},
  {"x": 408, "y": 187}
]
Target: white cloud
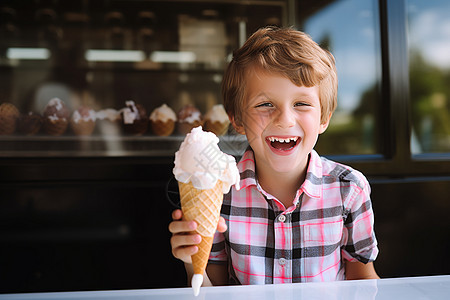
[
  {"x": 357, "y": 71},
  {"x": 430, "y": 33}
]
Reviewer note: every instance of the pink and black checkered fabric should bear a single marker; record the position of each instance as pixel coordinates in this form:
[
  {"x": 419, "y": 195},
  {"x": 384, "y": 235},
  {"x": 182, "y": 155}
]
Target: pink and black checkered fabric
[{"x": 331, "y": 220}]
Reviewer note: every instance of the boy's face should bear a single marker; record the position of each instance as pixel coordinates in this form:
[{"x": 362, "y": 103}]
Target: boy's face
[{"x": 281, "y": 122}]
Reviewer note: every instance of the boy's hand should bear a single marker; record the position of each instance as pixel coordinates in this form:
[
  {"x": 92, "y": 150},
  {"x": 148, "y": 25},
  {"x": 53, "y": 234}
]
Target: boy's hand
[{"x": 184, "y": 238}]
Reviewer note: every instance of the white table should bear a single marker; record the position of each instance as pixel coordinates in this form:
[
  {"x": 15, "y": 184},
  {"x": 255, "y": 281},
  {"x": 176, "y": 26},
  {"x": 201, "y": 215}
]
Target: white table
[{"x": 431, "y": 287}]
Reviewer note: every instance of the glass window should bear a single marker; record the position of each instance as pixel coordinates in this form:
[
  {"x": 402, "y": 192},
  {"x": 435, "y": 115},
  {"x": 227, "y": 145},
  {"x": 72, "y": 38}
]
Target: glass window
[
  {"x": 350, "y": 30},
  {"x": 99, "y": 55},
  {"x": 429, "y": 75}
]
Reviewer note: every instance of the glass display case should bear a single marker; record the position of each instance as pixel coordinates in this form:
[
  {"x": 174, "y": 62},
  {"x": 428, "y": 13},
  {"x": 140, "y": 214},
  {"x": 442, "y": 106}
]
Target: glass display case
[
  {"x": 87, "y": 207},
  {"x": 97, "y": 56}
]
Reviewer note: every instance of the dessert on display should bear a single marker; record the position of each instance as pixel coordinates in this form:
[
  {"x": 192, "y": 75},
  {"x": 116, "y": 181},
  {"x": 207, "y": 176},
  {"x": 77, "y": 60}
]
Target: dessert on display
[
  {"x": 9, "y": 116},
  {"x": 188, "y": 118},
  {"x": 162, "y": 120},
  {"x": 30, "y": 123},
  {"x": 216, "y": 120},
  {"x": 56, "y": 117},
  {"x": 204, "y": 173},
  {"x": 134, "y": 118},
  {"x": 83, "y": 120},
  {"x": 131, "y": 119}
]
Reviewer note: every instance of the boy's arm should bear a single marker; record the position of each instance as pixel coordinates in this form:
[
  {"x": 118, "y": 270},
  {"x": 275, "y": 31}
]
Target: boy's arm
[{"x": 358, "y": 270}]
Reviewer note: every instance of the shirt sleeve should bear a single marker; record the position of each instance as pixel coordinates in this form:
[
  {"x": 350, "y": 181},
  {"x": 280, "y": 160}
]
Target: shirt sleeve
[
  {"x": 359, "y": 235},
  {"x": 218, "y": 253}
]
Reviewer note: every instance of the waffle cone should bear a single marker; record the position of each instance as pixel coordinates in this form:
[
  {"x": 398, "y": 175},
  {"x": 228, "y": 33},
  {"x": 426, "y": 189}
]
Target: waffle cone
[
  {"x": 55, "y": 127},
  {"x": 162, "y": 128},
  {"x": 9, "y": 116},
  {"x": 82, "y": 127},
  {"x": 200, "y": 259},
  {"x": 202, "y": 206},
  {"x": 218, "y": 128}
]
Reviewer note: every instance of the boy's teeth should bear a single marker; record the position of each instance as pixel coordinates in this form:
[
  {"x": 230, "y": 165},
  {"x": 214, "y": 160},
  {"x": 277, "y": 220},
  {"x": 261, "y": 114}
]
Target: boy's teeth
[{"x": 273, "y": 139}]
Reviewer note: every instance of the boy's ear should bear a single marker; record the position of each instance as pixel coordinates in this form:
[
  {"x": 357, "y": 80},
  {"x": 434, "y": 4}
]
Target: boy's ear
[
  {"x": 237, "y": 125},
  {"x": 324, "y": 126}
]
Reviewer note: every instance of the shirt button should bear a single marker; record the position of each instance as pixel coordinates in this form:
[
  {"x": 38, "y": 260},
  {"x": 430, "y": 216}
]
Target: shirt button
[
  {"x": 282, "y": 261},
  {"x": 282, "y": 218}
]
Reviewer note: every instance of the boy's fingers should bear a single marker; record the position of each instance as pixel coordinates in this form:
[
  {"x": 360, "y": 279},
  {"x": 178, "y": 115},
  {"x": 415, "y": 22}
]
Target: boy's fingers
[
  {"x": 185, "y": 253},
  {"x": 180, "y": 240},
  {"x": 182, "y": 226},
  {"x": 177, "y": 214},
  {"x": 221, "y": 226},
  {"x": 183, "y": 246}
]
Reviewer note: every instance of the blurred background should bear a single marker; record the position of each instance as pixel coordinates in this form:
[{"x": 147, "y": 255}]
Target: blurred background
[{"x": 91, "y": 212}]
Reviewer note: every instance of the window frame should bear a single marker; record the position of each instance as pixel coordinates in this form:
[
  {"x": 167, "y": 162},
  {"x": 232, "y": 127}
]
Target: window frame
[{"x": 396, "y": 158}]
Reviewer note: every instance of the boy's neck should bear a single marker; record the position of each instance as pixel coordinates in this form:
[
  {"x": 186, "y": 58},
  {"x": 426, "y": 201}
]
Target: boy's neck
[{"x": 282, "y": 186}]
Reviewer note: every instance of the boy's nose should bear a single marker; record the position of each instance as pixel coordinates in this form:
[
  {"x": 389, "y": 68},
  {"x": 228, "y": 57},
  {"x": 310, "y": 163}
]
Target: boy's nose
[{"x": 285, "y": 119}]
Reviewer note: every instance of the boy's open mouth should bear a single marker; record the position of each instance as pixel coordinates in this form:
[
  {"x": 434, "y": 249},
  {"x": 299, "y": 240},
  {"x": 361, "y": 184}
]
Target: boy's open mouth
[{"x": 283, "y": 144}]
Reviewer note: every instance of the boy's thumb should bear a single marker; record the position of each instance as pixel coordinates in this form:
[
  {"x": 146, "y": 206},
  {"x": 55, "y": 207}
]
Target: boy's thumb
[{"x": 222, "y": 226}]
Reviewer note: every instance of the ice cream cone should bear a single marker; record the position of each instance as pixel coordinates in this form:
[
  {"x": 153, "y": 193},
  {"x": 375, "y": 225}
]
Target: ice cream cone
[
  {"x": 216, "y": 120},
  {"x": 218, "y": 128},
  {"x": 9, "y": 115},
  {"x": 162, "y": 128},
  {"x": 203, "y": 207},
  {"x": 55, "y": 127},
  {"x": 82, "y": 127},
  {"x": 162, "y": 120},
  {"x": 83, "y": 120},
  {"x": 56, "y": 117},
  {"x": 134, "y": 117},
  {"x": 204, "y": 173},
  {"x": 200, "y": 259}
]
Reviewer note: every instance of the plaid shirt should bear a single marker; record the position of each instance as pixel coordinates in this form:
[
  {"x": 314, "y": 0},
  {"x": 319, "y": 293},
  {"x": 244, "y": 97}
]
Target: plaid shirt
[{"x": 331, "y": 219}]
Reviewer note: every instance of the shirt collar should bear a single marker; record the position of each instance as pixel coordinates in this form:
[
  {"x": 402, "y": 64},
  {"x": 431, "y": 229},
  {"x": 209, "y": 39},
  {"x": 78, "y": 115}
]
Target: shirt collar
[
  {"x": 246, "y": 167},
  {"x": 313, "y": 181}
]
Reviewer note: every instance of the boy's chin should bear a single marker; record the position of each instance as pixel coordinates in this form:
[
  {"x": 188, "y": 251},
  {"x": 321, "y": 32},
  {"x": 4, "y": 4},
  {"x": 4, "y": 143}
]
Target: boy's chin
[{"x": 284, "y": 167}]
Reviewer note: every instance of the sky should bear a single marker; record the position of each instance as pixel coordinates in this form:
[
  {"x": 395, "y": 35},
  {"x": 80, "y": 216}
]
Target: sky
[
  {"x": 354, "y": 28},
  {"x": 429, "y": 30}
]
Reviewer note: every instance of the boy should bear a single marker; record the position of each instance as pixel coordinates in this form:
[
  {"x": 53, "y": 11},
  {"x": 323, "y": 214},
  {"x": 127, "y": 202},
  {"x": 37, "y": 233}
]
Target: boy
[{"x": 298, "y": 217}]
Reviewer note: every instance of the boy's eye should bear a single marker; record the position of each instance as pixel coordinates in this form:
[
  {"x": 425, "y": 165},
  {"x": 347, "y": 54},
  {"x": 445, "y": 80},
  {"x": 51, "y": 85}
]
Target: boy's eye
[
  {"x": 265, "y": 104},
  {"x": 301, "y": 104}
]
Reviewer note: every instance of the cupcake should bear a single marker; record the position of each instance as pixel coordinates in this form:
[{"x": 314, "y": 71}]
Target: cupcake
[
  {"x": 188, "y": 118},
  {"x": 162, "y": 120},
  {"x": 216, "y": 120},
  {"x": 56, "y": 117},
  {"x": 9, "y": 116},
  {"x": 82, "y": 121},
  {"x": 30, "y": 123},
  {"x": 134, "y": 118}
]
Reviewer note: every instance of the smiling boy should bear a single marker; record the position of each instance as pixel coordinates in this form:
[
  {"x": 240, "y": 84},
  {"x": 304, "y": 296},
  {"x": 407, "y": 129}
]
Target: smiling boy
[{"x": 298, "y": 217}]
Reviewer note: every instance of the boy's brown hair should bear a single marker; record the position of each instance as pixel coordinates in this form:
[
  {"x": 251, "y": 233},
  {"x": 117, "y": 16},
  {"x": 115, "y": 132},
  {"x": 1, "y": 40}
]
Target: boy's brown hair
[{"x": 284, "y": 51}]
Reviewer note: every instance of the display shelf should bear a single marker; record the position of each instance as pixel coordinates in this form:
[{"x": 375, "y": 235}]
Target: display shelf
[{"x": 105, "y": 145}]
